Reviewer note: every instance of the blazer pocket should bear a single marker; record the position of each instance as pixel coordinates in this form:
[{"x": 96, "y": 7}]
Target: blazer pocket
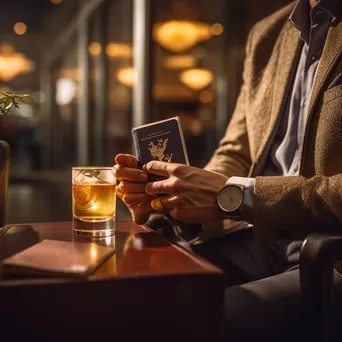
[{"x": 332, "y": 93}]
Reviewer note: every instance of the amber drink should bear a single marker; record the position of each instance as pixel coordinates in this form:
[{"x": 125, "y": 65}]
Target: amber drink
[{"x": 93, "y": 197}]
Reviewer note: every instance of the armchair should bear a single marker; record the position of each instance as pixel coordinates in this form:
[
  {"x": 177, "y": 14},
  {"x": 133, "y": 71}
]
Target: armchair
[{"x": 318, "y": 256}]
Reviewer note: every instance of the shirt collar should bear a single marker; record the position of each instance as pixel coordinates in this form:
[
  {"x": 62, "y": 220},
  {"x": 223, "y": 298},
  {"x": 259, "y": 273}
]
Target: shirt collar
[
  {"x": 300, "y": 16},
  {"x": 333, "y": 7}
]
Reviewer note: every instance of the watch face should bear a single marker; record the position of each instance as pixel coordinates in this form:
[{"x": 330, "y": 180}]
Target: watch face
[{"x": 230, "y": 198}]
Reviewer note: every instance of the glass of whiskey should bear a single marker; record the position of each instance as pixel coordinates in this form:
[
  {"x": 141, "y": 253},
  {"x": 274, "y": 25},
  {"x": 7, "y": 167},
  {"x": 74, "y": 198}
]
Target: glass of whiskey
[{"x": 93, "y": 200}]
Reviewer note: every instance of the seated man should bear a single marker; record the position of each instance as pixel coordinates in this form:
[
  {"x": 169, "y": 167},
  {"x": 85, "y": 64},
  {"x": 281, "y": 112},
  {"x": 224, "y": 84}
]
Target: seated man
[{"x": 275, "y": 177}]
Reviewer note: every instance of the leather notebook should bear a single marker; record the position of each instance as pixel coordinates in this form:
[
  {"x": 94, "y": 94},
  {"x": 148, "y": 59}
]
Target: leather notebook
[{"x": 57, "y": 258}]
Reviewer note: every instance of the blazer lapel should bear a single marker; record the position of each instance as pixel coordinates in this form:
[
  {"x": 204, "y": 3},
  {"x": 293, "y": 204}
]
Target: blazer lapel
[
  {"x": 331, "y": 52},
  {"x": 288, "y": 54}
]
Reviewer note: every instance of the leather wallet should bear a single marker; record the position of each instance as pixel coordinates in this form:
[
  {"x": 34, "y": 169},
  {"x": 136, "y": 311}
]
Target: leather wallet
[{"x": 57, "y": 258}]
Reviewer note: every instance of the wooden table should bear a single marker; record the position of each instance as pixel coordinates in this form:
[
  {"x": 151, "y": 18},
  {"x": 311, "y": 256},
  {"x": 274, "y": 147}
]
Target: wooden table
[{"x": 149, "y": 290}]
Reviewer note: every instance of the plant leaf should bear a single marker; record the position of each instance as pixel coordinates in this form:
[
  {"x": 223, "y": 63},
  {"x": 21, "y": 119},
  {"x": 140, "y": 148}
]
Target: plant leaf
[
  {"x": 8, "y": 103},
  {"x": 9, "y": 100}
]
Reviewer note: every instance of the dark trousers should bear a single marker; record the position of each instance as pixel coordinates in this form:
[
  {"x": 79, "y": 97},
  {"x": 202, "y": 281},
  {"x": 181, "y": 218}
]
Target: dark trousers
[{"x": 262, "y": 297}]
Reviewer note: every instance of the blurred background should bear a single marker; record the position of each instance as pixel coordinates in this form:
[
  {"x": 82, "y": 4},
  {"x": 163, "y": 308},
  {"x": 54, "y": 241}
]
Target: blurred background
[{"x": 96, "y": 68}]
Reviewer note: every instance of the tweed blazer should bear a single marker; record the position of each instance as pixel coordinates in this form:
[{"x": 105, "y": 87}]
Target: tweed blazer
[{"x": 287, "y": 207}]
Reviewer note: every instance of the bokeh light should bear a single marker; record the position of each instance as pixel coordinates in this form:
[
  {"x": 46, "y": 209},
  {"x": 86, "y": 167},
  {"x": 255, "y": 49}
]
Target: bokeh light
[
  {"x": 216, "y": 29},
  {"x": 20, "y": 28},
  {"x": 94, "y": 48}
]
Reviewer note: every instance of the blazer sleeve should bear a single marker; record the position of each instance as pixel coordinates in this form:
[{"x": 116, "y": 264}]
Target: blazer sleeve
[
  {"x": 232, "y": 157},
  {"x": 293, "y": 207}
]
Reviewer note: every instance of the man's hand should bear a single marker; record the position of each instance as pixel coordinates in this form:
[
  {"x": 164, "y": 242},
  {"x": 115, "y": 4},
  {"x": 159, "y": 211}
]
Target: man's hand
[
  {"x": 132, "y": 187},
  {"x": 188, "y": 192}
]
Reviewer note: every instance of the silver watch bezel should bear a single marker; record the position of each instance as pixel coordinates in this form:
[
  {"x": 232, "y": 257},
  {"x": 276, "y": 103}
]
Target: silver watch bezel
[{"x": 224, "y": 189}]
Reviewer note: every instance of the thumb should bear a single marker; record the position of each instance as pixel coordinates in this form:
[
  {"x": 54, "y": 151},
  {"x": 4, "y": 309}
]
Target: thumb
[{"x": 126, "y": 160}]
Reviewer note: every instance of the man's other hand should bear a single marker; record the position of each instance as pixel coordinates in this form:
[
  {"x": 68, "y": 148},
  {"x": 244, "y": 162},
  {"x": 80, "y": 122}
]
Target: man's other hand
[
  {"x": 188, "y": 192},
  {"x": 131, "y": 188}
]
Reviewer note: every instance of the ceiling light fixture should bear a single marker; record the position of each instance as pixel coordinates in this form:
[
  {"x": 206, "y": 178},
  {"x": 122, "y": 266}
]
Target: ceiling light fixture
[
  {"x": 12, "y": 63},
  {"x": 180, "y": 35},
  {"x": 196, "y": 78}
]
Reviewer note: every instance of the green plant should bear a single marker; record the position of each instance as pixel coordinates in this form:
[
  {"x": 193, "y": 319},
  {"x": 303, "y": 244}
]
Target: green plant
[{"x": 8, "y": 100}]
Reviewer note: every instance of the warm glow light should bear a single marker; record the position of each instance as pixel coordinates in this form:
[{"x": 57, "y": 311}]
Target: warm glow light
[
  {"x": 206, "y": 96},
  {"x": 109, "y": 240},
  {"x": 216, "y": 29},
  {"x": 119, "y": 50},
  {"x": 180, "y": 62},
  {"x": 20, "y": 28},
  {"x": 65, "y": 91},
  {"x": 93, "y": 252},
  {"x": 12, "y": 63},
  {"x": 137, "y": 243},
  {"x": 56, "y": 2},
  {"x": 126, "y": 76},
  {"x": 196, "y": 78},
  {"x": 73, "y": 73},
  {"x": 173, "y": 92},
  {"x": 94, "y": 48},
  {"x": 179, "y": 36}
]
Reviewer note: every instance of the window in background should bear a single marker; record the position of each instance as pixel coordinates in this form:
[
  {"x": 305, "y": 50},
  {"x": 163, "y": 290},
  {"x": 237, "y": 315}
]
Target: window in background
[
  {"x": 66, "y": 76},
  {"x": 119, "y": 78},
  {"x": 189, "y": 53},
  {"x": 97, "y": 86}
]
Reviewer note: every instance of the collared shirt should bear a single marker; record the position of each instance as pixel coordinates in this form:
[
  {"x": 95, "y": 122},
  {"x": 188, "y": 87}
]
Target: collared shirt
[{"x": 285, "y": 154}]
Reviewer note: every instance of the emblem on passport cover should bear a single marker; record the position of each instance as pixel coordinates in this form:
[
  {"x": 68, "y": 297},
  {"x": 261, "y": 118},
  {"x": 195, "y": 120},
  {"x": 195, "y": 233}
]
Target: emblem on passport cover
[{"x": 162, "y": 141}]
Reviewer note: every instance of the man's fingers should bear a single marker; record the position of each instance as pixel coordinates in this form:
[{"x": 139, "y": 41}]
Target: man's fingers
[
  {"x": 162, "y": 203},
  {"x": 158, "y": 188},
  {"x": 126, "y": 160},
  {"x": 126, "y": 173},
  {"x": 170, "y": 202},
  {"x": 128, "y": 187},
  {"x": 135, "y": 199},
  {"x": 160, "y": 168},
  {"x": 138, "y": 205},
  {"x": 141, "y": 213}
]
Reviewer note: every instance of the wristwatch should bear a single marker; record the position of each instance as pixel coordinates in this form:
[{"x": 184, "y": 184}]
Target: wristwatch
[{"x": 230, "y": 199}]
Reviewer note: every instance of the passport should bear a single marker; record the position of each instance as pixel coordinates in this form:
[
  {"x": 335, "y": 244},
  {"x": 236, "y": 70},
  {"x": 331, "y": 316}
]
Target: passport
[{"x": 161, "y": 140}]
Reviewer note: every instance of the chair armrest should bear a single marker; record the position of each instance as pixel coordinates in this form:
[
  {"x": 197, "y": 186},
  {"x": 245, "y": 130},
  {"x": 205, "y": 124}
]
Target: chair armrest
[{"x": 317, "y": 258}]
